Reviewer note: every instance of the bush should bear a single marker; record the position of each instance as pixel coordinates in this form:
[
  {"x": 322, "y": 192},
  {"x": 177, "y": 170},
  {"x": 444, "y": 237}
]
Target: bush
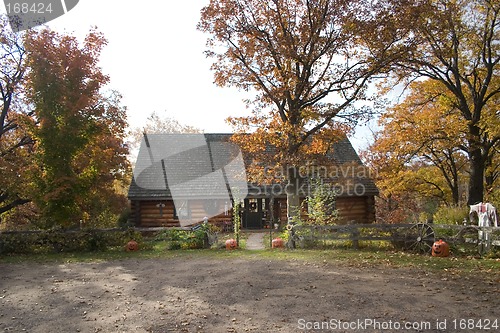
[
  {"x": 451, "y": 215},
  {"x": 185, "y": 239},
  {"x": 124, "y": 219},
  {"x": 65, "y": 241},
  {"x": 23, "y": 243},
  {"x": 321, "y": 204}
]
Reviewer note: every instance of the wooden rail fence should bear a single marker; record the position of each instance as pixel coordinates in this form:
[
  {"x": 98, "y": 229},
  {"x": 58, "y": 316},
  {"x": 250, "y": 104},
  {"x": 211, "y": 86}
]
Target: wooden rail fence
[{"x": 417, "y": 237}]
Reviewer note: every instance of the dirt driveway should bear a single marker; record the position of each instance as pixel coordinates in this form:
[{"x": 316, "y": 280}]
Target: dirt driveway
[{"x": 239, "y": 294}]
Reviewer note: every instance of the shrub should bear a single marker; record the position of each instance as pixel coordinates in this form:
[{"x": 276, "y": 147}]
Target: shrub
[
  {"x": 321, "y": 204},
  {"x": 185, "y": 239},
  {"x": 65, "y": 241},
  {"x": 23, "y": 243},
  {"x": 124, "y": 219},
  {"x": 451, "y": 215}
]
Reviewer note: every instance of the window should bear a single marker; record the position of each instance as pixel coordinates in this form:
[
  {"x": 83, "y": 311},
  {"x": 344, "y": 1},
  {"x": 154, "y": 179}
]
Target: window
[
  {"x": 253, "y": 205},
  {"x": 161, "y": 206}
]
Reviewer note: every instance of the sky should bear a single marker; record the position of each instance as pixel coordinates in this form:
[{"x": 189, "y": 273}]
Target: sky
[{"x": 155, "y": 59}]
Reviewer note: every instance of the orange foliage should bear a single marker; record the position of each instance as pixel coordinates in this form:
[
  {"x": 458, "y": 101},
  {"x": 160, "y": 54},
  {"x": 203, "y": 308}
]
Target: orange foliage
[{"x": 302, "y": 60}]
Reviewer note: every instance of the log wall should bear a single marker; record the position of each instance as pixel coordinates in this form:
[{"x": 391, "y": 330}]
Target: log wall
[
  {"x": 147, "y": 214},
  {"x": 351, "y": 210},
  {"x": 359, "y": 210}
]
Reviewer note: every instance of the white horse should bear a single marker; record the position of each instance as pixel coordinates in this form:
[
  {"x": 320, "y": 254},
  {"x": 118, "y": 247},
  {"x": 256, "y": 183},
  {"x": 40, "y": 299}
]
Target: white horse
[{"x": 487, "y": 217}]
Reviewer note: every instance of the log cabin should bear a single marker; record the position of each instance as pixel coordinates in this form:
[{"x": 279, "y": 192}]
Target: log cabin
[{"x": 263, "y": 206}]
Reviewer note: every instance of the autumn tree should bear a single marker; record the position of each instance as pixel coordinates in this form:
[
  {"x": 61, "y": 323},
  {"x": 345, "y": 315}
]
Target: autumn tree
[
  {"x": 102, "y": 166},
  {"x": 79, "y": 133},
  {"x": 456, "y": 44},
  {"x": 302, "y": 61},
  {"x": 425, "y": 137},
  {"x": 156, "y": 123},
  {"x": 490, "y": 121},
  {"x": 14, "y": 139}
]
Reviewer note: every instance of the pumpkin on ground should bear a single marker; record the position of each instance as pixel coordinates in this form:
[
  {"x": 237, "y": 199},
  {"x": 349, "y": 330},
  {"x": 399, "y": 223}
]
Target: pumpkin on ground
[
  {"x": 277, "y": 243},
  {"x": 440, "y": 249},
  {"x": 132, "y": 246},
  {"x": 231, "y": 244}
]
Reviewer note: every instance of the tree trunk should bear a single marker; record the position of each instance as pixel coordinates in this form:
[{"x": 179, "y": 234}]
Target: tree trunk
[
  {"x": 292, "y": 200},
  {"x": 455, "y": 194},
  {"x": 271, "y": 220},
  {"x": 491, "y": 173},
  {"x": 477, "y": 166},
  {"x": 292, "y": 194},
  {"x": 455, "y": 187},
  {"x": 476, "y": 179}
]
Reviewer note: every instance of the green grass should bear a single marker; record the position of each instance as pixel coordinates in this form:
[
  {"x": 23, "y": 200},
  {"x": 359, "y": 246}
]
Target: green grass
[
  {"x": 364, "y": 258},
  {"x": 368, "y": 256}
]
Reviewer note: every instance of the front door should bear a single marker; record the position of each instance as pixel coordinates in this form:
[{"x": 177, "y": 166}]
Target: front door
[{"x": 252, "y": 214}]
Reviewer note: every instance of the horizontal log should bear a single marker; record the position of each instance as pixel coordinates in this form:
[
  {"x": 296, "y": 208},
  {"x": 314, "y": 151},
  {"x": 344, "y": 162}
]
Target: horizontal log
[
  {"x": 352, "y": 216},
  {"x": 157, "y": 218},
  {"x": 156, "y": 209},
  {"x": 389, "y": 227},
  {"x": 352, "y": 210},
  {"x": 155, "y": 221},
  {"x": 152, "y": 222},
  {"x": 355, "y": 213},
  {"x": 347, "y": 238},
  {"x": 351, "y": 204},
  {"x": 163, "y": 224},
  {"x": 219, "y": 220},
  {"x": 156, "y": 213},
  {"x": 156, "y": 203}
]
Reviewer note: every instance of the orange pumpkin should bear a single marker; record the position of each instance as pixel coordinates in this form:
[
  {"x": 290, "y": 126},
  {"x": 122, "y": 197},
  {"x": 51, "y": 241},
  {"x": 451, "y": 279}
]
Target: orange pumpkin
[
  {"x": 132, "y": 246},
  {"x": 440, "y": 249},
  {"x": 277, "y": 243},
  {"x": 231, "y": 244}
]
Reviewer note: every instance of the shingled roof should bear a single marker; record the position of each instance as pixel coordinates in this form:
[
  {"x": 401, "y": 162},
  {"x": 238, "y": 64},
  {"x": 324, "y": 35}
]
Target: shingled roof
[{"x": 196, "y": 160}]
